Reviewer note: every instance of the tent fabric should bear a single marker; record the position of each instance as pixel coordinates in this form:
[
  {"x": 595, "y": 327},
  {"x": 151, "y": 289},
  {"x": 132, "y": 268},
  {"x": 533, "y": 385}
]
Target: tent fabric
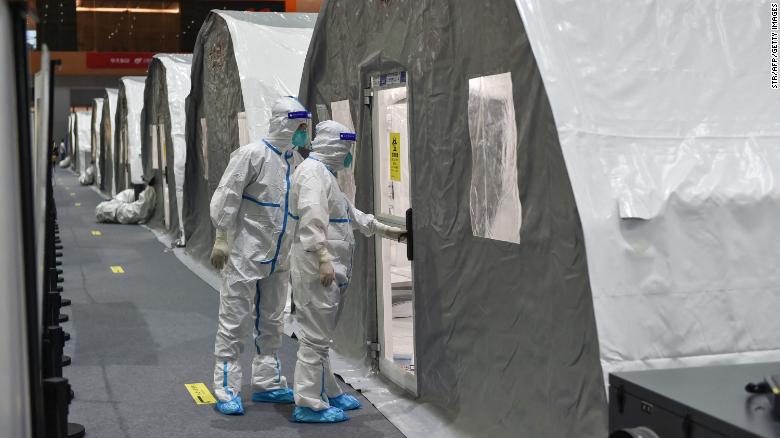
[
  {"x": 106, "y": 162},
  {"x": 127, "y": 135},
  {"x": 83, "y": 132},
  {"x": 505, "y": 332},
  {"x": 670, "y": 133},
  {"x": 71, "y": 145},
  {"x": 97, "y": 114},
  {"x": 235, "y": 81},
  {"x": 163, "y": 140}
]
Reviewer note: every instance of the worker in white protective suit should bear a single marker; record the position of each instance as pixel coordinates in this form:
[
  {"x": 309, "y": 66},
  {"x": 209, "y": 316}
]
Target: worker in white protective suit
[
  {"x": 321, "y": 262},
  {"x": 250, "y": 209}
]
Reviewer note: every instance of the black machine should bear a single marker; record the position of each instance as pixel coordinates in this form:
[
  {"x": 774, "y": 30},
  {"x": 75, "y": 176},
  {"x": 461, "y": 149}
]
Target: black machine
[{"x": 696, "y": 402}]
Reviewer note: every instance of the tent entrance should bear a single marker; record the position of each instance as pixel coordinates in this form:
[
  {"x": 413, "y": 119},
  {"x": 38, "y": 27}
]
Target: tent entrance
[{"x": 392, "y": 198}]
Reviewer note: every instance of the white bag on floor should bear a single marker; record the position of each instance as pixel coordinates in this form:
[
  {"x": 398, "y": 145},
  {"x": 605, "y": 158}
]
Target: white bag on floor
[
  {"x": 124, "y": 210},
  {"x": 65, "y": 162},
  {"x": 88, "y": 177}
]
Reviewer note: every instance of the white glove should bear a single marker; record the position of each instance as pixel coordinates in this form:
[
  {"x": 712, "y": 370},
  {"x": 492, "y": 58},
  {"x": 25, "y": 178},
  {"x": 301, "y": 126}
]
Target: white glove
[
  {"x": 327, "y": 274},
  {"x": 219, "y": 254},
  {"x": 389, "y": 232}
]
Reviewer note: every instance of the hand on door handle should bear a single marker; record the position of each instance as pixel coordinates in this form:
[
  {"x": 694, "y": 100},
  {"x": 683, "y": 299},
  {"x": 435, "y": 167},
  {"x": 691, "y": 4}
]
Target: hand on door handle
[{"x": 389, "y": 232}]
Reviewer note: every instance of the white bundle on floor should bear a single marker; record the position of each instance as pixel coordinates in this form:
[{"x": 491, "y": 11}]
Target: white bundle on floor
[
  {"x": 124, "y": 210},
  {"x": 88, "y": 177},
  {"x": 65, "y": 162}
]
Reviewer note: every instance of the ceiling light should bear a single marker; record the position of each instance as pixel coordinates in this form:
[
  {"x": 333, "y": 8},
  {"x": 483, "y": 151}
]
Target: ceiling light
[{"x": 174, "y": 10}]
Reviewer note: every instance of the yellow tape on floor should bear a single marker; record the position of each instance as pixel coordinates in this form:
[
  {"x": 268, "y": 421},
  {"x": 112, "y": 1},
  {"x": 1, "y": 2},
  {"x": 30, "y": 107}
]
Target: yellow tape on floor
[
  {"x": 200, "y": 393},
  {"x": 97, "y": 233},
  {"x": 117, "y": 270},
  {"x": 78, "y": 204}
]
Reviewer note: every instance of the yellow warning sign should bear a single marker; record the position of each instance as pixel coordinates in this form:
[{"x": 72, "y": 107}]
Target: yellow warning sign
[
  {"x": 117, "y": 270},
  {"x": 200, "y": 393},
  {"x": 395, "y": 156},
  {"x": 97, "y": 233},
  {"x": 78, "y": 204}
]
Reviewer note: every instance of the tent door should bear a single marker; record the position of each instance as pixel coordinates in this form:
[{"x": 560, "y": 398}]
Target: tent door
[{"x": 395, "y": 291}]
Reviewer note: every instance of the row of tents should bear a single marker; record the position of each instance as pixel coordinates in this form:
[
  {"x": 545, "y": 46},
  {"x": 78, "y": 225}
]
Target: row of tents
[{"x": 591, "y": 192}]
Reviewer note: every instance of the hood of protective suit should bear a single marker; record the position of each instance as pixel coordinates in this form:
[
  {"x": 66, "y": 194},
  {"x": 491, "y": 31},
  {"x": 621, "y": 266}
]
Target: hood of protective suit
[
  {"x": 287, "y": 114},
  {"x": 332, "y": 143}
]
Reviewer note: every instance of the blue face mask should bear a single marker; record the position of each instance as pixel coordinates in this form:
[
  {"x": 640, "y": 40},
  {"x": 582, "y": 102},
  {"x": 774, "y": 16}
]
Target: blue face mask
[
  {"x": 300, "y": 138},
  {"x": 348, "y": 160}
]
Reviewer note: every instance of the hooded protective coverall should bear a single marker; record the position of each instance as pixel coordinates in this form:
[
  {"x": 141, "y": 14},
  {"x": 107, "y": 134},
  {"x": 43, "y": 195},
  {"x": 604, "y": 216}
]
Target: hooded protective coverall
[
  {"x": 323, "y": 244},
  {"x": 250, "y": 208}
]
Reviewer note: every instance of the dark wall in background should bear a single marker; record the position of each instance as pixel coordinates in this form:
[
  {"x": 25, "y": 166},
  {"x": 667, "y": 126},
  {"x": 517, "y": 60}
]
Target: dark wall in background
[
  {"x": 57, "y": 24},
  {"x": 194, "y": 13}
]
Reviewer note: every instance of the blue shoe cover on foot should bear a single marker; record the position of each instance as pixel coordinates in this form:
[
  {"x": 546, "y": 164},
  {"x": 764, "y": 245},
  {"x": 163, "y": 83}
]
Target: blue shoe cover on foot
[
  {"x": 232, "y": 407},
  {"x": 283, "y": 395},
  {"x": 345, "y": 402},
  {"x": 309, "y": 415}
]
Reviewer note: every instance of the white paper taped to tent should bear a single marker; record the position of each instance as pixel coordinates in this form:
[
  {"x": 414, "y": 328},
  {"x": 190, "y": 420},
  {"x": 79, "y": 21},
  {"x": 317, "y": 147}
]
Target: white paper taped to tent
[
  {"x": 134, "y": 95},
  {"x": 671, "y": 138},
  {"x": 262, "y": 82}
]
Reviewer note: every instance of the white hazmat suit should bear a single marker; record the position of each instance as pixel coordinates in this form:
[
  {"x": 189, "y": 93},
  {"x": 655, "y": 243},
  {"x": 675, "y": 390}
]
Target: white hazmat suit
[
  {"x": 321, "y": 260},
  {"x": 250, "y": 208}
]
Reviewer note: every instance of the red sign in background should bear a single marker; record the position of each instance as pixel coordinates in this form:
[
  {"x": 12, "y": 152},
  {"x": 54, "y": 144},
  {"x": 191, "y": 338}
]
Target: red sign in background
[{"x": 134, "y": 60}]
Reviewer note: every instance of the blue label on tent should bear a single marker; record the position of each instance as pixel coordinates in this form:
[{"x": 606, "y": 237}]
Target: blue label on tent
[
  {"x": 299, "y": 115},
  {"x": 348, "y": 136}
]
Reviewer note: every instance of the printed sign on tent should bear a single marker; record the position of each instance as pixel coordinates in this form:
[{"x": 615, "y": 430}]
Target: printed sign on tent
[{"x": 395, "y": 156}]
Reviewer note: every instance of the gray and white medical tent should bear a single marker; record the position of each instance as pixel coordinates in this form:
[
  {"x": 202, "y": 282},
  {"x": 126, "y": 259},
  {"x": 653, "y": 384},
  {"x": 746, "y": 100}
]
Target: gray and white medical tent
[
  {"x": 590, "y": 192},
  {"x": 454, "y": 121},
  {"x": 127, "y": 133},
  {"x": 106, "y": 155},
  {"x": 163, "y": 146},
  {"x": 97, "y": 115},
  {"x": 242, "y": 63}
]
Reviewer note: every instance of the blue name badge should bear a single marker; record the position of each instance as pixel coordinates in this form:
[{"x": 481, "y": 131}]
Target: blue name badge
[
  {"x": 348, "y": 136},
  {"x": 299, "y": 115}
]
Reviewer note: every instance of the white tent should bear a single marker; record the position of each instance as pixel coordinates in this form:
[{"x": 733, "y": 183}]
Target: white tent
[
  {"x": 83, "y": 134},
  {"x": 97, "y": 114},
  {"x": 242, "y": 63},
  {"x": 671, "y": 135},
  {"x": 106, "y": 161},
  {"x": 127, "y": 135},
  {"x": 164, "y": 149}
]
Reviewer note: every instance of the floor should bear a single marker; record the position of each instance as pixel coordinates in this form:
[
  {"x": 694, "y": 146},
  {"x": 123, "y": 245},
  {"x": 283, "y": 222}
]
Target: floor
[{"x": 139, "y": 336}]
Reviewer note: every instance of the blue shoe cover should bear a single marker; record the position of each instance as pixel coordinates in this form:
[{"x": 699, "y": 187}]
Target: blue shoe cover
[
  {"x": 309, "y": 415},
  {"x": 283, "y": 395},
  {"x": 345, "y": 402},
  {"x": 232, "y": 407}
]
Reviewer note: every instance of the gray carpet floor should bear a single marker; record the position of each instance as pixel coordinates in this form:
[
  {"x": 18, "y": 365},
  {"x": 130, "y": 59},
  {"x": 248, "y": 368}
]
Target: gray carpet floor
[{"x": 138, "y": 337}]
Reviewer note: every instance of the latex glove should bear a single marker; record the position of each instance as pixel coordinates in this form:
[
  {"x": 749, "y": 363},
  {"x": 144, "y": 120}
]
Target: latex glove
[
  {"x": 327, "y": 274},
  {"x": 389, "y": 232},
  {"x": 219, "y": 254}
]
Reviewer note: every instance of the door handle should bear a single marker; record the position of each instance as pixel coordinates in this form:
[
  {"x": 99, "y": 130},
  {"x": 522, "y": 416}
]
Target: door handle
[{"x": 409, "y": 235}]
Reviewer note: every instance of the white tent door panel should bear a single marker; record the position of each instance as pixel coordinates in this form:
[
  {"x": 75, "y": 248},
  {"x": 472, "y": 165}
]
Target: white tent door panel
[
  {"x": 394, "y": 271},
  {"x": 494, "y": 197}
]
